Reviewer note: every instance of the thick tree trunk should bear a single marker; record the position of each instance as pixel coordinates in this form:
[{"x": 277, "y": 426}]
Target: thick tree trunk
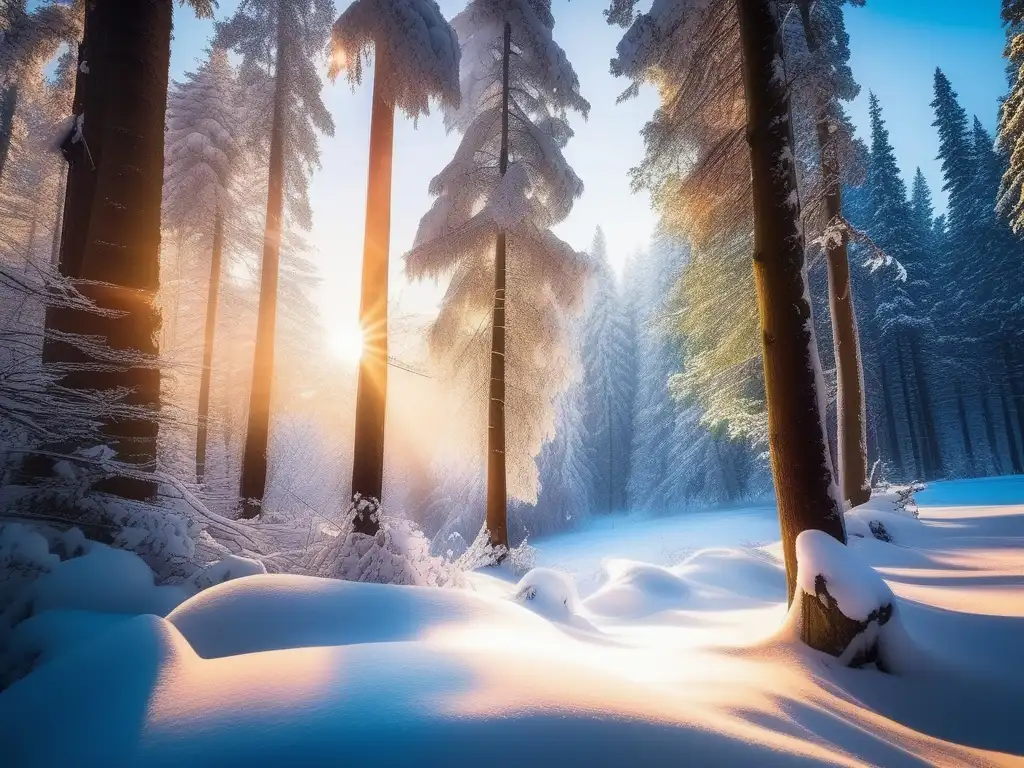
[
  {"x": 965, "y": 429},
  {"x": 890, "y": 421},
  {"x": 805, "y": 489},
  {"x": 931, "y": 435},
  {"x": 990, "y": 433},
  {"x": 210, "y": 331},
  {"x": 497, "y": 489},
  {"x": 30, "y": 247},
  {"x": 920, "y": 458},
  {"x": 8, "y": 107},
  {"x": 253, "y": 482},
  {"x": 851, "y": 433},
  {"x": 372, "y": 389},
  {"x": 112, "y": 232}
]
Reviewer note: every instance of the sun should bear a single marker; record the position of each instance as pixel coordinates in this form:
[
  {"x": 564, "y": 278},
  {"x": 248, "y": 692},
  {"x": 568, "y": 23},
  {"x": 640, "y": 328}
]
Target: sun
[{"x": 346, "y": 343}]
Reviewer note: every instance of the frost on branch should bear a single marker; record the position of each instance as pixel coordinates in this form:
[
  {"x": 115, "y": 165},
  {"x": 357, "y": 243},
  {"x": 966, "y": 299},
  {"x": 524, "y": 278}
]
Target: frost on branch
[{"x": 416, "y": 52}]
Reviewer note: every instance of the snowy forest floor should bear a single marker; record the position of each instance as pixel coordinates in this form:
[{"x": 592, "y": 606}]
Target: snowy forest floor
[{"x": 637, "y": 641}]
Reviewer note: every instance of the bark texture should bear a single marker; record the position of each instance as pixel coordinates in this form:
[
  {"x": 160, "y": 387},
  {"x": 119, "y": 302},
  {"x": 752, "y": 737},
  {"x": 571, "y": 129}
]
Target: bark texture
[
  {"x": 497, "y": 490},
  {"x": 253, "y": 483},
  {"x": 111, "y": 239},
  {"x": 805, "y": 489},
  {"x": 372, "y": 389},
  {"x": 825, "y": 628}
]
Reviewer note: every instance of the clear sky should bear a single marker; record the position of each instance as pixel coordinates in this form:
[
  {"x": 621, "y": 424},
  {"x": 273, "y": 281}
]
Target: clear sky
[{"x": 896, "y": 46}]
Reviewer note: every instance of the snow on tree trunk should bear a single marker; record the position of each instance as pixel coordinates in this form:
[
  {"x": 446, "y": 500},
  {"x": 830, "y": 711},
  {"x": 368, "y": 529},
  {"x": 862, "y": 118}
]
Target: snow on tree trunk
[
  {"x": 806, "y": 492},
  {"x": 210, "y": 331},
  {"x": 253, "y": 484},
  {"x": 112, "y": 237},
  {"x": 845, "y": 609},
  {"x": 371, "y": 395}
]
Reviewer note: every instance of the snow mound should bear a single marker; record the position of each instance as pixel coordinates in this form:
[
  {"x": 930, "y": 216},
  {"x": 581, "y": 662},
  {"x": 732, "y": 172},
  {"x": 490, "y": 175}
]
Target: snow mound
[
  {"x": 104, "y": 579},
  {"x": 632, "y": 590},
  {"x": 549, "y": 593},
  {"x": 262, "y": 613},
  {"x": 748, "y": 573}
]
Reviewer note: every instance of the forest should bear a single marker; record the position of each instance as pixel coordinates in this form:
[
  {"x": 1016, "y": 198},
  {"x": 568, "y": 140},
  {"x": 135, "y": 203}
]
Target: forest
[{"x": 752, "y": 488}]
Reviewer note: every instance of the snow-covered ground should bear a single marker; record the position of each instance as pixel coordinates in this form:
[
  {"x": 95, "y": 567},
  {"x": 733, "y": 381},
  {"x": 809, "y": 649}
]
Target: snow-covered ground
[{"x": 640, "y": 642}]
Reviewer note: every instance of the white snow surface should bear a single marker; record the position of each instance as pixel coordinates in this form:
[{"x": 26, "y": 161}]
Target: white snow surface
[{"x": 591, "y": 659}]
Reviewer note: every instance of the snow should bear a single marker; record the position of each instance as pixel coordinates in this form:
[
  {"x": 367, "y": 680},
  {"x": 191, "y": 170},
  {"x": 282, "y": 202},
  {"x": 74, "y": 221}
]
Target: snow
[
  {"x": 590, "y": 659},
  {"x": 857, "y": 590}
]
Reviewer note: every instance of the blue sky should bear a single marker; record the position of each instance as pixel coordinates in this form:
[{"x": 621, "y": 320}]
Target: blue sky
[{"x": 896, "y": 46}]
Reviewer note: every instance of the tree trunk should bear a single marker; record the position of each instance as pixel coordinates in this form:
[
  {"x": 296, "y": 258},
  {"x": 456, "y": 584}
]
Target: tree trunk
[
  {"x": 805, "y": 489},
  {"x": 497, "y": 493},
  {"x": 990, "y": 433},
  {"x": 931, "y": 434},
  {"x": 1011, "y": 439},
  {"x": 8, "y": 106},
  {"x": 965, "y": 429},
  {"x": 920, "y": 458},
  {"x": 851, "y": 434},
  {"x": 890, "y": 421},
  {"x": 112, "y": 235},
  {"x": 372, "y": 389},
  {"x": 212, "y": 297},
  {"x": 253, "y": 482},
  {"x": 58, "y": 218}
]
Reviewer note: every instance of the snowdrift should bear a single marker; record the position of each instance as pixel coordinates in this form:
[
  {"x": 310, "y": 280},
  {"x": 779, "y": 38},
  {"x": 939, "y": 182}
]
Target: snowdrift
[{"x": 638, "y": 664}]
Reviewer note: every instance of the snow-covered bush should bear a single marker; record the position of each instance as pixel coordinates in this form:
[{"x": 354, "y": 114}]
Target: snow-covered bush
[{"x": 398, "y": 554}]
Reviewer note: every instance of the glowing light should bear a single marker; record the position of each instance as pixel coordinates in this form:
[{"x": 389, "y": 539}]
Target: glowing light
[{"x": 346, "y": 343}]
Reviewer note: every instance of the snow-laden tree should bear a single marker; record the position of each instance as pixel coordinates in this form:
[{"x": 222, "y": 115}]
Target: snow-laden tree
[
  {"x": 607, "y": 383},
  {"x": 490, "y": 231},
  {"x": 416, "y": 59},
  {"x": 204, "y": 135},
  {"x": 280, "y": 42},
  {"x": 1011, "y": 118},
  {"x": 28, "y": 42}
]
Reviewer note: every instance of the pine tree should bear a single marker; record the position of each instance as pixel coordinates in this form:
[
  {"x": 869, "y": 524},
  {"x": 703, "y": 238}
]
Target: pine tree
[
  {"x": 1011, "y": 119},
  {"x": 204, "y": 137},
  {"x": 805, "y": 489},
  {"x": 279, "y": 41},
  {"x": 607, "y": 404},
  {"x": 417, "y": 58},
  {"x": 507, "y": 185}
]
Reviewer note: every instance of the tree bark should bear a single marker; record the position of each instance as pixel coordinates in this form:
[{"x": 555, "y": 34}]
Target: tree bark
[
  {"x": 851, "y": 434},
  {"x": 806, "y": 492},
  {"x": 372, "y": 388},
  {"x": 253, "y": 483},
  {"x": 112, "y": 235},
  {"x": 212, "y": 297},
  {"x": 8, "y": 107},
  {"x": 931, "y": 435},
  {"x": 965, "y": 429},
  {"x": 497, "y": 488}
]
